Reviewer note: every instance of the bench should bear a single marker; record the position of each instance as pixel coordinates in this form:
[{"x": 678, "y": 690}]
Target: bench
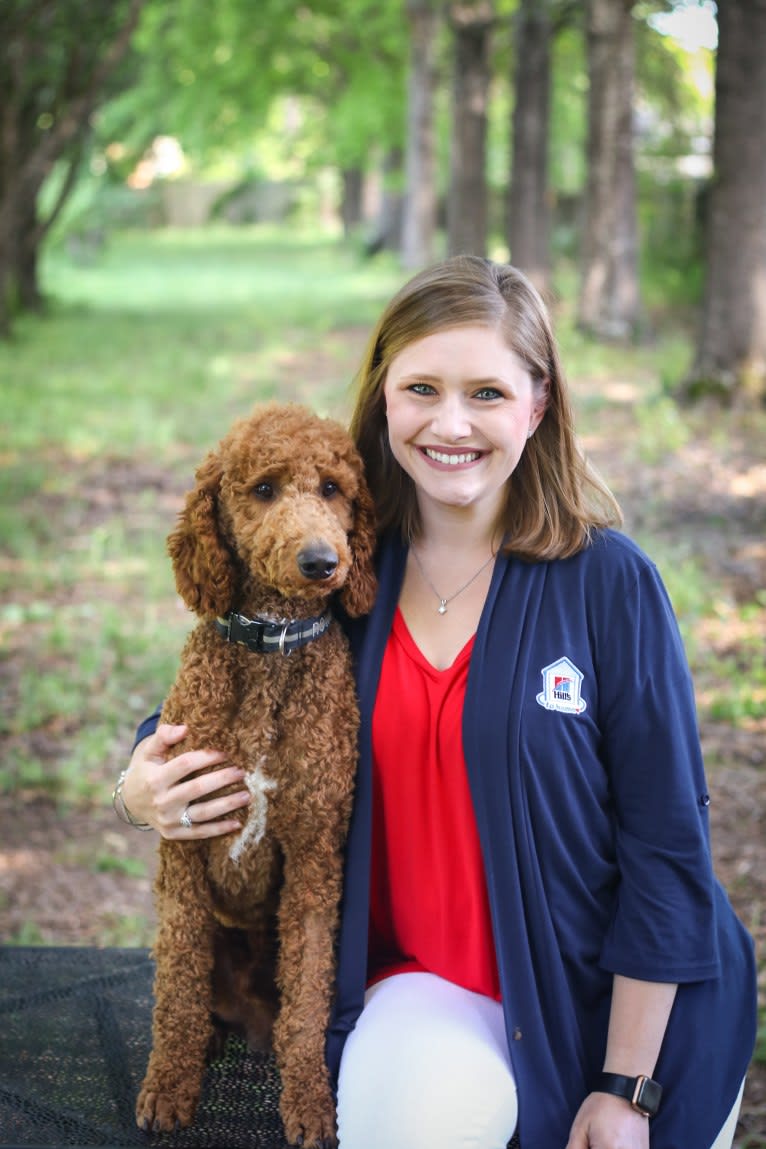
[{"x": 75, "y": 1033}]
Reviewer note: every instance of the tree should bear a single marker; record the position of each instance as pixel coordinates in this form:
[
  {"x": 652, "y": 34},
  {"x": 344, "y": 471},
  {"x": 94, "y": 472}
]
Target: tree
[
  {"x": 730, "y": 359},
  {"x": 471, "y": 24},
  {"x": 58, "y": 58},
  {"x": 609, "y": 301},
  {"x": 211, "y": 72},
  {"x": 529, "y": 199},
  {"x": 420, "y": 202}
]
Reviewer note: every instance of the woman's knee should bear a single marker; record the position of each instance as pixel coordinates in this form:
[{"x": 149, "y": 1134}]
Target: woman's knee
[{"x": 426, "y": 1066}]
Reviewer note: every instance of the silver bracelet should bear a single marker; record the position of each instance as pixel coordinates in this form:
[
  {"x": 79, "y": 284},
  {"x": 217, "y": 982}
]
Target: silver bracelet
[{"x": 121, "y": 810}]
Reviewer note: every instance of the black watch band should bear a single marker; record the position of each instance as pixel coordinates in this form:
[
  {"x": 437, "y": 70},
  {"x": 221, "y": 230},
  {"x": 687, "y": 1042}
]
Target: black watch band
[{"x": 642, "y": 1093}]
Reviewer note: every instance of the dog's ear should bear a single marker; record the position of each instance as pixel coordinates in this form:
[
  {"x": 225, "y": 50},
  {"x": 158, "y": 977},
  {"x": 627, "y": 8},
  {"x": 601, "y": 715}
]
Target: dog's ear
[
  {"x": 358, "y": 592},
  {"x": 202, "y": 562}
]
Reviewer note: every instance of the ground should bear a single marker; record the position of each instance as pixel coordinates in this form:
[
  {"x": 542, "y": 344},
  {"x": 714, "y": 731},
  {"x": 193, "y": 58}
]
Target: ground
[{"x": 78, "y": 876}]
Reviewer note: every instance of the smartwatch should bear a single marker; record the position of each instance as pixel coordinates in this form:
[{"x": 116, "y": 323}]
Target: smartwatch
[{"x": 642, "y": 1093}]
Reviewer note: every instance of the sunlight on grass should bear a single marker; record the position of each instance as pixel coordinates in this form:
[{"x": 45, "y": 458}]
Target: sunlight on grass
[{"x": 166, "y": 333}]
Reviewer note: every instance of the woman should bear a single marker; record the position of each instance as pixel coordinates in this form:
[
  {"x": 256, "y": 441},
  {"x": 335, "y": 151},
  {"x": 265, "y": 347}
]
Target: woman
[{"x": 532, "y": 936}]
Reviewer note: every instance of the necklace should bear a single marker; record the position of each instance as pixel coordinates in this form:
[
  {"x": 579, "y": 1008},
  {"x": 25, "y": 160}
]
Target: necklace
[{"x": 442, "y": 607}]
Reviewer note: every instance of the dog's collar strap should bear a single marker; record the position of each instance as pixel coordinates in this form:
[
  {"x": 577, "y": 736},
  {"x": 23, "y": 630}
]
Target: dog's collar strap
[{"x": 265, "y": 637}]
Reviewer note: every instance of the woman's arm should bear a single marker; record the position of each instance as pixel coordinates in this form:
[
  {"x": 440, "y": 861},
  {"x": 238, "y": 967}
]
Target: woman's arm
[
  {"x": 157, "y": 789},
  {"x": 637, "y": 1022}
]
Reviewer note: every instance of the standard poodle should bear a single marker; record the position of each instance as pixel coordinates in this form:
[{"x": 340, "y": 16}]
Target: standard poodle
[{"x": 280, "y": 523}]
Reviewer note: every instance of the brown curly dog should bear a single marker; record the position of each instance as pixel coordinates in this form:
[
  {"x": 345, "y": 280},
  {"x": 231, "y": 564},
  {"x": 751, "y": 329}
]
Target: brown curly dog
[{"x": 279, "y": 522}]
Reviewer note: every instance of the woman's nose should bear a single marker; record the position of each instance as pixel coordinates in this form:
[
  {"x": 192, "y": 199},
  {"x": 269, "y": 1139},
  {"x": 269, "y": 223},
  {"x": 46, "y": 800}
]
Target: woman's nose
[{"x": 450, "y": 420}]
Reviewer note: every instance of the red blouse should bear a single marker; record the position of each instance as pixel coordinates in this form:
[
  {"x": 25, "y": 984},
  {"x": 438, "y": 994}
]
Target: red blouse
[{"x": 428, "y": 908}]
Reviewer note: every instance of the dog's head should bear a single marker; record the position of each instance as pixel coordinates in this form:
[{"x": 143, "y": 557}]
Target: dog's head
[{"x": 282, "y": 504}]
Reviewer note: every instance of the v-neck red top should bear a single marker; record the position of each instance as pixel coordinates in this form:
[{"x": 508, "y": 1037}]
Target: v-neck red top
[{"x": 429, "y": 909}]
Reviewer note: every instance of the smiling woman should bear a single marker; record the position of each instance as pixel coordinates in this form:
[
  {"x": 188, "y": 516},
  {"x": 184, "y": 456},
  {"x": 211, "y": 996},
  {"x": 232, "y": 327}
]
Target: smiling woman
[
  {"x": 460, "y": 407},
  {"x": 454, "y": 333}
]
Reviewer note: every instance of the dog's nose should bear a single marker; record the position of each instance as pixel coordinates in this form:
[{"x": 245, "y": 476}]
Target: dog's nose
[{"x": 317, "y": 562}]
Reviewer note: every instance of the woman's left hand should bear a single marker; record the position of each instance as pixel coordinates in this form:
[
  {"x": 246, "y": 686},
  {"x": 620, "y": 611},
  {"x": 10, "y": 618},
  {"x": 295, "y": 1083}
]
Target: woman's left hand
[{"x": 606, "y": 1122}]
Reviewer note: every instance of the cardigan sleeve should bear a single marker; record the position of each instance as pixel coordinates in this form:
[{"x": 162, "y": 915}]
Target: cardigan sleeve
[
  {"x": 147, "y": 727},
  {"x": 663, "y": 926}
]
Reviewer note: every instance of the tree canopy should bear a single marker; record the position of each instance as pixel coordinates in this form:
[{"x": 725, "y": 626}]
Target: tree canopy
[{"x": 300, "y": 86}]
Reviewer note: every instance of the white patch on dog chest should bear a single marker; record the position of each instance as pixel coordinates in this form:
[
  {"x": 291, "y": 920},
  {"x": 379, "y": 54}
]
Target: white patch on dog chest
[{"x": 254, "y": 828}]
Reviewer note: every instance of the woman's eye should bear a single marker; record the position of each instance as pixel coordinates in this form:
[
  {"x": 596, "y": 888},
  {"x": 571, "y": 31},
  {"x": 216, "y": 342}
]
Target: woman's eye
[
  {"x": 488, "y": 393},
  {"x": 329, "y": 488},
  {"x": 264, "y": 491},
  {"x": 421, "y": 388}
]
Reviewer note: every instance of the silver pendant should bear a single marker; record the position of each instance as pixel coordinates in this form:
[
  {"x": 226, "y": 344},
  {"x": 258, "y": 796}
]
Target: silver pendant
[{"x": 442, "y": 606}]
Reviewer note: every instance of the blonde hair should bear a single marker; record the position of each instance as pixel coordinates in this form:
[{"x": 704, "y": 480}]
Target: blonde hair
[{"x": 554, "y": 498}]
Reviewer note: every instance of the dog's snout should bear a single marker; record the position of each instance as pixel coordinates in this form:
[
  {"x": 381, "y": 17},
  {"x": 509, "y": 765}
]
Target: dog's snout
[{"x": 317, "y": 562}]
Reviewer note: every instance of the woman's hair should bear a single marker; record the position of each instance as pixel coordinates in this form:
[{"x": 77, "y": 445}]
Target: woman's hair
[{"x": 554, "y": 498}]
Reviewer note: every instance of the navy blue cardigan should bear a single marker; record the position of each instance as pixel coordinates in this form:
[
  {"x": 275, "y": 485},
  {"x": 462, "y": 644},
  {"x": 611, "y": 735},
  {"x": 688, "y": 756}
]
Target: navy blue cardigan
[
  {"x": 583, "y": 756},
  {"x": 581, "y": 745}
]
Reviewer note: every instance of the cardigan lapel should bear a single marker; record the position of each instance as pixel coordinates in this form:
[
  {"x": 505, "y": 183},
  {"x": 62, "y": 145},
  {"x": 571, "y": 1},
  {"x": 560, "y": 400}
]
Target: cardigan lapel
[
  {"x": 543, "y": 1034},
  {"x": 368, "y": 641}
]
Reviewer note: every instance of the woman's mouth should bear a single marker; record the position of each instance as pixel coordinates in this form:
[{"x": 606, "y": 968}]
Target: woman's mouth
[{"x": 451, "y": 458}]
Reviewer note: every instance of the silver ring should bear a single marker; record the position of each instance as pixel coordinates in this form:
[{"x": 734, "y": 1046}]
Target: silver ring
[{"x": 185, "y": 819}]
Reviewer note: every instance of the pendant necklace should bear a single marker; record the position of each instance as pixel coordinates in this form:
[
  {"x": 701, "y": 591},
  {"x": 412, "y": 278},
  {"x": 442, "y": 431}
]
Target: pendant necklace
[{"x": 442, "y": 607}]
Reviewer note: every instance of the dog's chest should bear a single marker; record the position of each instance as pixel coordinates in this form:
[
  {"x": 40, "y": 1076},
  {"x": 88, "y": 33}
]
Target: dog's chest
[{"x": 288, "y": 728}]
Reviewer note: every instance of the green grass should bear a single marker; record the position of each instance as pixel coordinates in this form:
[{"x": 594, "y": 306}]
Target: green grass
[{"x": 169, "y": 334}]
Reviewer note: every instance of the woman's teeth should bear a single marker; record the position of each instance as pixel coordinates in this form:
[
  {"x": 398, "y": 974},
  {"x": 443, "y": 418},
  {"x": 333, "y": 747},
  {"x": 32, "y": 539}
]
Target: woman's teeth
[{"x": 451, "y": 460}]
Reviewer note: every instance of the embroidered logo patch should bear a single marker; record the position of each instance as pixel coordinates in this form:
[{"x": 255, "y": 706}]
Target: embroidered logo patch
[{"x": 562, "y": 686}]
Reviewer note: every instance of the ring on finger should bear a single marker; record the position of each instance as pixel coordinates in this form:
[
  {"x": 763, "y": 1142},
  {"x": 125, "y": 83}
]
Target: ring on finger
[{"x": 185, "y": 819}]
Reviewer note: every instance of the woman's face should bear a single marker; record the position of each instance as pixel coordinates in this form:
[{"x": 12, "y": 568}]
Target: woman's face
[{"x": 460, "y": 407}]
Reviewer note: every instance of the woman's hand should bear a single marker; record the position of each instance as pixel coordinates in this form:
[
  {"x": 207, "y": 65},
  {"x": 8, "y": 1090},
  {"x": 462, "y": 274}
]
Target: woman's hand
[
  {"x": 158, "y": 790},
  {"x": 606, "y": 1122}
]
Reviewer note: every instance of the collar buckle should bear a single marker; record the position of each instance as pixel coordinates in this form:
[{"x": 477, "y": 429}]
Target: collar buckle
[{"x": 262, "y": 636}]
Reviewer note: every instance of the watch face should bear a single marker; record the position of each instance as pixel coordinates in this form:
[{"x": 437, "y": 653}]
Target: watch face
[{"x": 648, "y": 1095}]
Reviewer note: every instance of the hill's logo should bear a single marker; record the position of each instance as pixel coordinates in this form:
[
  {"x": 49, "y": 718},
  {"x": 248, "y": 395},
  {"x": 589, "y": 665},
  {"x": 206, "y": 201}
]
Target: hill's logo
[{"x": 562, "y": 687}]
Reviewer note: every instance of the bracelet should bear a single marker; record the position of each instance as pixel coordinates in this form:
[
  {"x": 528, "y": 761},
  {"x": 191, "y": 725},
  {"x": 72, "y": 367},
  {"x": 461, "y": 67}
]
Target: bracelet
[{"x": 121, "y": 810}]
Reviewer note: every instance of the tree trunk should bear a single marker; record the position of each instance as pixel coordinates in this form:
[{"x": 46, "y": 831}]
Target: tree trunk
[
  {"x": 730, "y": 359},
  {"x": 11, "y": 120},
  {"x": 8, "y": 258},
  {"x": 76, "y": 83},
  {"x": 529, "y": 205},
  {"x": 467, "y": 203},
  {"x": 420, "y": 201},
  {"x": 622, "y": 306},
  {"x": 388, "y": 234},
  {"x": 27, "y": 249},
  {"x": 351, "y": 202},
  {"x": 608, "y": 250}
]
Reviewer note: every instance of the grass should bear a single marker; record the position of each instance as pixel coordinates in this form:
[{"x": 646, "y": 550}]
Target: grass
[
  {"x": 180, "y": 331},
  {"x": 148, "y": 353}
]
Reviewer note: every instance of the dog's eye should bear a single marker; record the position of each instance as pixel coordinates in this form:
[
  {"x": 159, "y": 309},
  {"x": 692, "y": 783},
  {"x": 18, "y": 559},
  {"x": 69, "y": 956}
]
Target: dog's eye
[
  {"x": 264, "y": 491},
  {"x": 329, "y": 488}
]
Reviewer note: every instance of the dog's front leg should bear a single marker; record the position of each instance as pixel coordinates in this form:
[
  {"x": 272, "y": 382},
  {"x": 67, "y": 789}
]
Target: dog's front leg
[
  {"x": 182, "y": 1024},
  {"x": 306, "y": 970}
]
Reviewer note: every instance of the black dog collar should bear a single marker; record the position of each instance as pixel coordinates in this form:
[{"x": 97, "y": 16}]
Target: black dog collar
[{"x": 264, "y": 637}]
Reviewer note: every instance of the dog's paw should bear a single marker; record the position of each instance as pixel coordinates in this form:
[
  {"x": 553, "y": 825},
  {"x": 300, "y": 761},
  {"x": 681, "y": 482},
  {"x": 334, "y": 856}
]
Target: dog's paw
[
  {"x": 309, "y": 1118},
  {"x": 160, "y": 1111}
]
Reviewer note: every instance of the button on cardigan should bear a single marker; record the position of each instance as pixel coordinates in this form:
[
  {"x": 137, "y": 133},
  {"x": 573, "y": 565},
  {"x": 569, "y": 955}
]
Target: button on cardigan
[{"x": 586, "y": 776}]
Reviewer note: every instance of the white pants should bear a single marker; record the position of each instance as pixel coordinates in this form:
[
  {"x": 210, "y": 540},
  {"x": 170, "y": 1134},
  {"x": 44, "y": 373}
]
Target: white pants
[
  {"x": 726, "y": 1136},
  {"x": 427, "y": 1067}
]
